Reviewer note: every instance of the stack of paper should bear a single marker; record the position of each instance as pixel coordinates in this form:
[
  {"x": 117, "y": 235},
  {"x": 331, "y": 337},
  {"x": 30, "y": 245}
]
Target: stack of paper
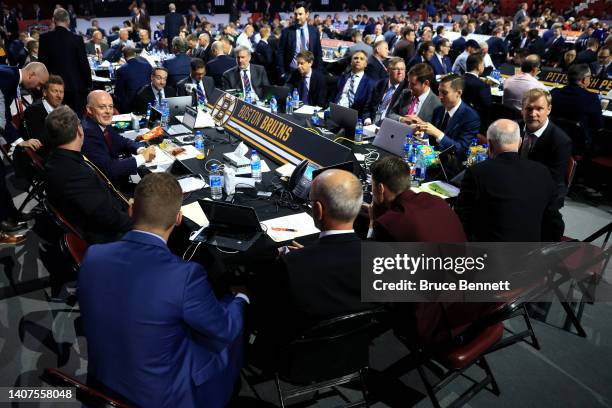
[{"x": 290, "y": 227}]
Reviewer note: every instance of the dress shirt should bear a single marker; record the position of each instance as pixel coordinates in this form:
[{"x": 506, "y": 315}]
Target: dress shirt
[
  {"x": 488, "y": 62},
  {"x": 47, "y": 106},
  {"x": 460, "y": 63},
  {"x": 538, "y": 132},
  {"x": 516, "y": 86},
  {"x": 156, "y": 92},
  {"x": 344, "y": 99},
  {"x": 248, "y": 70},
  {"x": 450, "y": 116},
  {"x": 298, "y": 43},
  {"x": 140, "y": 160},
  {"x": 394, "y": 87},
  {"x": 421, "y": 98},
  {"x": 327, "y": 233}
]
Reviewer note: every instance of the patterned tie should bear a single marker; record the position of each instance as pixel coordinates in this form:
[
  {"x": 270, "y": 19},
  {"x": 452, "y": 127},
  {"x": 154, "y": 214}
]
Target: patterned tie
[
  {"x": 351, "y": 91},
  {"x": 304, "y": 45},
  {"x": 246, "y": 82},
  {"x": 304, "y": 90},
  {"x": 201, "y": 94},
  {"x": 386, "y": 100},
  {"x": 528, "y": 141},
  {"x": 445, "y": 122},
  {"x": 413, "y": 105},
  {"x": 108, "y": 139}
]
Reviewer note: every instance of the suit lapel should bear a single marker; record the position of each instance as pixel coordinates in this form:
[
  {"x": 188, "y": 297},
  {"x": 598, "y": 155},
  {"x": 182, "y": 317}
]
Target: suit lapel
[{"x": 454, "y": 120}]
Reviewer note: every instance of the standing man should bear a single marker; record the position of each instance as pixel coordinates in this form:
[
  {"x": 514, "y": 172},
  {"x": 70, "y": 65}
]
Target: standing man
[
  {"x": 476, "y": 92},
  {"x": 63, "y": 53},
  {"x": 376, "y": 68},
  {"x": 219, "y": 63},
  {"x": 355, "y": 88},
  {"x": 178, "y": 66},
  {"x": 310, "y": 84},
  {"x": 131, "y": 76},
  {"x": 294, "y": 39},
  {"x": 173, "y": 22},
  {"x": 250, "y": 78}
]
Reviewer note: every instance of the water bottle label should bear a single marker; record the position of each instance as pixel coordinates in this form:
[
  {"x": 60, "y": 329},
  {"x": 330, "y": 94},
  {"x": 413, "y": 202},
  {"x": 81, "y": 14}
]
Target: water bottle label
[
  {"x": 256, "y": 166},
  {"x": 420, "y": 172},
  {"x": 199, "y": 144},
  {"x": 215, "y": 181}
]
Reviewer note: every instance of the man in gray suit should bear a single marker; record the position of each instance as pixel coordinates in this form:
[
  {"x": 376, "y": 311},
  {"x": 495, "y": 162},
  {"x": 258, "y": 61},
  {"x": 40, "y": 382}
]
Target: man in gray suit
[
  {"x": 249, "y": 78},
  {"x": 96, "y": 46},
  {"x": 359, "y": 45},
  {"x": 417, "y": 99}
]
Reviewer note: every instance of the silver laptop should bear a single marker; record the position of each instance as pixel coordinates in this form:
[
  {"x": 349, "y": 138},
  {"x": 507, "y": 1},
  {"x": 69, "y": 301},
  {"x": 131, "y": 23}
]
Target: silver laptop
[
  {"x": 392, "y": 136},
  {"x": 188, "y": 123},
  {"x": 178, "y": 104}
]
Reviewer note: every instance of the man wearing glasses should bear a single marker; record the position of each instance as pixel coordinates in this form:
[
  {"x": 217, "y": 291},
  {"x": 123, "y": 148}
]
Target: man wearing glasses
[
  {"x": 386, "y": 92},
  {"x": 154, "y": 92}
]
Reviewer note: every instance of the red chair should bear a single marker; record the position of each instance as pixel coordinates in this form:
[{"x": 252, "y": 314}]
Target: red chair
[
  {"x": 36, "y": 177},
  {"x": 61, "y": 221},
  {"x": 75, "y": 247}
]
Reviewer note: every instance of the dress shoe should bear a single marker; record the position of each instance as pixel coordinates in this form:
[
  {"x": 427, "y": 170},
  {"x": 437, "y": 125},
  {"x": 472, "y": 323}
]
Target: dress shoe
[
  {"x": 12, "y": 226},
  {"x": 11, "y": 239}
]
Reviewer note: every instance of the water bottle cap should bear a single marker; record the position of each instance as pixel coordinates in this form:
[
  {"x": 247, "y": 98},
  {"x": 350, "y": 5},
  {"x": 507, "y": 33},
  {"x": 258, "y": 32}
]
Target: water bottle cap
[
  {"x": 213, "y": 167},
  {"x": 253, "y": 151},
  {"x": 198, "y": 133}
]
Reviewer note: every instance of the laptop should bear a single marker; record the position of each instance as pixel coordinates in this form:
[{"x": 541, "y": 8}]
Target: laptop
[
  {"x": 188, "y": 125},
  {"x": 279, "y": 92},
  {"x": 345, "y": 118},
  {"x": 231, "y": 226},
  {"x": 178, "y": 104},
  {"x": 391, "y": 136},
  {"x": 154, "y": 118},
  {"x": 179, "y": 170}
]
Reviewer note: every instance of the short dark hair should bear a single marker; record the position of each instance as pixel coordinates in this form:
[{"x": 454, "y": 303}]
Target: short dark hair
[
  {"x": 425, "y": 46},
  {"x": 301, "y": 4},
  {"x": 577, "y": 72},
  {"x": 129, "y": 52},
  {"x": 441, "y": 43},
  {"x": 456, "y": 81},
  {"x": 53, "y": 80},
  {"x": 393, "y": 172},
  {"x": 422, "y": 71},
  {"x": 464, "y": 32},
  {"x": 197, "y": 63},
  {"x": 159, "y": 69},
  {"x": 157, "y": 200},
  {"x": 306, "y": 55},
  {"x": 61, "y": 124},
  {"x": 473, "y": 61},
  {"x": 439, "y": 29}
]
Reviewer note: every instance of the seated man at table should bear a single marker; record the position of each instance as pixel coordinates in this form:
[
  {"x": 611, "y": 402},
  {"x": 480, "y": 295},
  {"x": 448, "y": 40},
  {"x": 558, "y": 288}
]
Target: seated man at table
[
  {"x": 105, "y": 147},
  {"x": 516, "y": 86},
  {"x": 203, "y": 86},
  {"x": 355, "y": 88},
  {"x": 386, "y": 94},
  {"x": 34, "y": 116},
  {"x": 96, "y": 46},
  {"x": 246, "y": 77},
  {"x": 506, "y": 198},
  {"x": 310, "y": 84},
  {"x": 219, "y": 63},
  {"x": 417, "y": 99},
  {"x": 397, "y": 214},
  {"x": 453, "y": 126},
  {"x": 158, "y": 336},
  {"x": 75, "y": 188},
  {"x": 154, "y": 92}
]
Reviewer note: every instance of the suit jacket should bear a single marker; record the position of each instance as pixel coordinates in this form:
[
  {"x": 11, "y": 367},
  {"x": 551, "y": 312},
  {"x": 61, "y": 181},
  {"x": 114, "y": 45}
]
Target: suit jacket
[
  {"x": 172, "y": 25},
  {"x": 553, "y": 149},
  {"x": 217, "y": 66},
  {"x": 575, "y": 103},
  {"x": 362, "y": 94},
  {"x": 232, "y": 79},
  {"x": 438, "y": 68},
  {"x": 417, "y": 217},
  {"x": 131, "y": 76},
  {"x": 117, "y": 169},
  {"x": 90, "y": 48},
  {"x": 202, "y": 53},
  {"x": 404, "y": 49},
  {"x": 460, "y": 131},
  {"x": 264, "y": 55},
  {"x": 376, "y": 70},
  {"x": 9, "y": 81},
  {"x": 145, "y": 96},
  {"x": 596, "y": 67},
  {"x": 179, "y": 345},
  {"x": 34, "y": 119},
  {"x": 378, "y": 93},
  {"x": 506, "y": 199},
  {"x": 208, "y": 85},
  {"x": 458, "y": 45},
  {"x": 586, "y": 57},
  {"x": 286, "y": 49},
  {"x": 497, "y": 46},
  {"x": 84, "y": 198},
  {"x": 317, "y": 89},
  {"x": 178, "y": 68},
  {"x": 477, "y": 94},
  {"x": 63, "y": 53},
  {"x": 426, "y": 111}
]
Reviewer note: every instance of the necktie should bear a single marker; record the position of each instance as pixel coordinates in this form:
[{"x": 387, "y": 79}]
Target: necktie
[
  {"x": 247, "y": 83},
  {"x": 413, "y": 106},
  {"x": 108, "y": 139},
  {"x": 386, "y": 100},
  {"x": 304, "y": 92},
  {"x": 19, "y": 102},
  {"x": 159, "y": 98},
  {"x": 351, "y": 91},
  {"x": 444, "y": 123},
  {"x": 528, "y": 141},
  {"x": 304, "y": 45},
  {"x": 201, "y": 95},
  {"x": 443, "y": 66}
]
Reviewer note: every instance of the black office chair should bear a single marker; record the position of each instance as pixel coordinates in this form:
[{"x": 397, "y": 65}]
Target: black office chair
[{"x": 576, "y": 133}]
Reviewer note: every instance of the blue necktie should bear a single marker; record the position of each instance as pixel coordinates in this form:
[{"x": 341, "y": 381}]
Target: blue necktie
[
  {"x": 303, "y": 39},
  {"x": 247, "y": 83},
  {"x": 386, "y": 99},
  {"x": 351, "y": 91},
  {"x": 201, "y": 95}
]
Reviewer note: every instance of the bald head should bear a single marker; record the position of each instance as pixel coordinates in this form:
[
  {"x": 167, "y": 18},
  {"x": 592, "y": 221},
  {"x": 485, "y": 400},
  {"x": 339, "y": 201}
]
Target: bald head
[
  {"x": 34, "y": 75},
  {"x": 100, "y": 107},
  {"x": 217, "y": 48},
  {"x": 504, "y": 136},
  {"x": 336, "y": 197}
]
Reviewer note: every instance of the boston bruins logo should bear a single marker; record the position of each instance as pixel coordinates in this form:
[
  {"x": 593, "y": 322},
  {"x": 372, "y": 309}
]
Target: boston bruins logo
[{"x": 223, "y": 109}]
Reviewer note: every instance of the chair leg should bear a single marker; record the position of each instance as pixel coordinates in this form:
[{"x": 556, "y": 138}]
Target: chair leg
[
  {"x": 428, "y": 387},
  {"x": 251, "y": 386},
  {"x": 31, "y": 195},
  {"x": 534, "y": 340},
  {"x": 279, "y": 390},
  {"x": 571, "y": 318},
  {"x": 495, "y": 388},
  {"x": 364, "y": 390}
]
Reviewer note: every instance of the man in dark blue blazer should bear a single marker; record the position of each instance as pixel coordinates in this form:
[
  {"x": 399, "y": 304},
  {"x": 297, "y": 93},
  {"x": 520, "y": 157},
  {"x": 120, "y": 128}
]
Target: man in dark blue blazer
[
  {"x": 311, "y": 84},
  {"x": 453, "y": 125},
  {"x": 179, "y": 66},
  {"x": 156, "y": 333},
  {"x": 498, "y": 50},
  {"x": 458, "y": 45},
  {"x": 131, "y": 76},
  {"x": 201, "y": 87},
  {"x": 104, "y": 147},
  {"x": 355, "y": 88},
  {"x": 476, "y": 93},
  {"x": 219, "y": 63},
  {"x": 440, "y": 62},
  {"x": 296, "y": 38},
  {"x": 376, "y": 68}
]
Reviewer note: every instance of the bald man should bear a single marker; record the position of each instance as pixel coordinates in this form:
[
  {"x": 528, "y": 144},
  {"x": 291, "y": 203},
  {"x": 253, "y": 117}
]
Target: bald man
[
  {"x": 105, "y": 147},
  {"x": 506, "y": 198}
]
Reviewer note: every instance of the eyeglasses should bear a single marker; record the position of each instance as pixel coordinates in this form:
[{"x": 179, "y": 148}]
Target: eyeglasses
[{"x": 397, "y": 69}]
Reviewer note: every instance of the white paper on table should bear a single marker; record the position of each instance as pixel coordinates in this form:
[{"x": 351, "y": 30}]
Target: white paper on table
[
  {"x": 194, "y": 212},
  {"x": 162, "y": 159},
  {"x": 264, "y": 166},
  {"x": 308, "y": 109},
  {"x": 189, "y": 184},
  {"x": 286, "y": 170},
  {"x": 302, "y": 223},
  {"x": 607, "y": 113},
  {"x": 124, "y": 117},
  {"x": 97, "y": 78},
  {"x": 189, "y": 153}
]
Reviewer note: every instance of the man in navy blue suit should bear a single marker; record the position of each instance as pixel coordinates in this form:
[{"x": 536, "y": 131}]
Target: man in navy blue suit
[
  {"x": 476, "y": 92},
  {"x": 355, "y": 88},
  {"x": 173, "y": 22},
  {"x": 156, "y": 334},
  {"x": 104, "y": 147},
  {"x": 440, "y": 62},
  {"x": 296, "y": 38},
  {"x": 453, "y": 125},
  {"x": 132, "y": 76},
  {"x": 219, "y": 63},
  {"x": 179, "y": 66},
  {"x": 602, "y": 68},
  {"x": 376, "y": 68}
]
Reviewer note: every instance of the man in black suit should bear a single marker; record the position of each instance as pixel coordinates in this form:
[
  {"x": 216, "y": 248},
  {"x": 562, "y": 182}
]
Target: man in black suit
[
  {"x": 203, "y": 50},
  {"x": 574, "y": 102},
  {"x": 154, "y": 92},
  {"x": 75, "y": 188},
  {"x": 506, "y": 198},
  {"x": 548, "y": 144},
  {"x": 196, "y": 84},
  {"x": 296, "y": 38},
  {"x": 602, "y": 68},
  {"x": 130, "y": 77},
  {"x": 249, "y": 78},
  {"x": 555, "y": 46},
  {"x": 310, "y": 84},
  {"x": 63, "y": 53},
  {"x": 173, "y": 22},
  {"x": 376, "y": 68},
  {"x": 219, "y": 63},
  {"x": 34, "y": 116},
  {"x": 406, "y": 47},
  {"x": 498, "y": 50},
  {"x": 476, "y": 93},
  {"x": 178, "y": 67},
  {"x": 386, "y": 93},
  {"x": 589, "y": 55}
]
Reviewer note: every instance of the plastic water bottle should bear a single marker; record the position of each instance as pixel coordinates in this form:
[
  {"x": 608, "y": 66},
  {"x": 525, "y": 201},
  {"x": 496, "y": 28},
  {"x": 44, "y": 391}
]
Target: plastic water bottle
[
  {"x": 316, "y": 121},
  {"x": 148, "y": 111},
  {"x": 199, "y": 145},
  {"x": 421, "y": 168},
  {"x": 248, "y": 98},
  {"x": 359, "y": 130},
  {"x": 255, "y": 165},
  {"x": 215, "y": 183},
  {"x": 296, "y": 98},
  {"x": 165, "y": 119},
  {"x": 273, "y": 105},
  {"x": 289, "y": 105},
  {"x": 407, "y": 149},
  {"x": 111, "y": 73}
]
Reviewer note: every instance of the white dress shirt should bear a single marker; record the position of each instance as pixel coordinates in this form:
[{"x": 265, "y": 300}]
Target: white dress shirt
[
  {"x": 335, "y": 232},
  {"x": 344, "y": 99},
  {"x": 298, "y": 43}
]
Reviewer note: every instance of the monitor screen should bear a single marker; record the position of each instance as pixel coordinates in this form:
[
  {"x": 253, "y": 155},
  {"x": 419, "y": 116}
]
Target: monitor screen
[{"x": 308, "y": 172}]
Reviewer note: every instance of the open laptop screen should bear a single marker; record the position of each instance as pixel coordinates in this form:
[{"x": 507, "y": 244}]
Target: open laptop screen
[{"x": 230, "y": 216}]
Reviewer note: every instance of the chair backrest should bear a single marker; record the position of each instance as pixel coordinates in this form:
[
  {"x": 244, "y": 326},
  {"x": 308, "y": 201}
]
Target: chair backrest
[
  {"x": 37, "y": 161},
  {"x": 570, "y": 172},
  {"x": 576, "y": 133},
  {"x": 76, "y": 247},
  {"x": 61, "y": 221}
]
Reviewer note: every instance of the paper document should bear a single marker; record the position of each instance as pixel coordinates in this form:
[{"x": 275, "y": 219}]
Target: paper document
[
  {"x": 189, "y": 184},
  {"x": 308, "y": 109},
  {"x": 194, "y": 212},
  {"x": 440, "y": 189},
  {"x": 290, "y": 227},
  {"x": 189, "y": 153},
  {"x": 286, "y": 170},
  {"x": 96, "y": 78},
  {"x": 124, "y": 117},
  {"x": 161, "y": 159}
]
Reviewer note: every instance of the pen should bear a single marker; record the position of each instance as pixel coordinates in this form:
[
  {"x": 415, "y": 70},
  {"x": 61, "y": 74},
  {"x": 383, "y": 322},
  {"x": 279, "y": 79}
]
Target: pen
[{"x": 283, "y": 229}]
